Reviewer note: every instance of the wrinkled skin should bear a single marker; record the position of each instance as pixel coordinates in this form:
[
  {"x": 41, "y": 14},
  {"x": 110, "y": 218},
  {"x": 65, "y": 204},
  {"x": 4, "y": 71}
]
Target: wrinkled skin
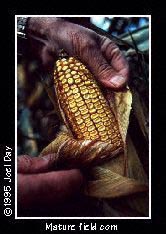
[
  {"x": 38, "y": 183},
  {"x": 40, "y": 186},
  {"x": 99, "y": 53}
]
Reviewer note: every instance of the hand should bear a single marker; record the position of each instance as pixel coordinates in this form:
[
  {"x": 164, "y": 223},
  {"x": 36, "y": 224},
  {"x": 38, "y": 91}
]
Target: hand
[
  {"x": 99, "y": 53},
  {"x": 40, "y": 186}
]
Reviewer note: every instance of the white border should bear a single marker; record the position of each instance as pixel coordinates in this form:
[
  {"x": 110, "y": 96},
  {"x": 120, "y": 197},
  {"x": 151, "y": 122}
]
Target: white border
[{"x": 149, "y": 16}]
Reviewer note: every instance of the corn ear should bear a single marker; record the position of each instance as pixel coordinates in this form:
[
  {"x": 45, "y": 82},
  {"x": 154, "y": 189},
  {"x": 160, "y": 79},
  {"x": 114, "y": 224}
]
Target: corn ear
[{"x": 84, "y": 107}]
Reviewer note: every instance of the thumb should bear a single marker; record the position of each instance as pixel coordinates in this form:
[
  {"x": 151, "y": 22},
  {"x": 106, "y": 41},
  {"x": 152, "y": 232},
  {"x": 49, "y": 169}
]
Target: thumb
[{"x": 105, "y": 72}]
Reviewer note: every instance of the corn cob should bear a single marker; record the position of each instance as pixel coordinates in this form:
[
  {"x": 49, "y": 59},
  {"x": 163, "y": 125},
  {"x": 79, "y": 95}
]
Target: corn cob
[{"x": 85, "y": 108}]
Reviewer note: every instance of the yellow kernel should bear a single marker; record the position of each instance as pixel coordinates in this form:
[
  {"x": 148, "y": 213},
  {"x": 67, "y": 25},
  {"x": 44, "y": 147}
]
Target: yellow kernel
[
  {"x": 110, "y": 132},
  {"x": 94, "y": 116},
  {"x": 84, "y": 91},
  {"x": 59, "y": 68},
  {"x": 66, "y": 89},
  {"x": 71, "y": 65},
  {"x": 68, "y": 76},
  {"x": 67, "y": 71},
  {"x": 64, "y": 68},
  {"x": 78, "y": 99},
  {"x": 100, "y": 111},
  {"x": 99, "y": 107},
  {"x": 94, "y": 85},
  {"x": 72, "y": 104},
  {"x": 81, "y": 66},
  {"x": 70, "y": 97},
  {"x": 94, "y": 100},
  {"x": 92, "y": 91},
  {"x": 85, "y": 116},
  {"x": 80, "y": 73},
  {"x": 93, "y": 133},
  {"x": 105, "y": 119},
  {"x": 89, "y": 123},
  {"x": 65, "y": 63},
  {"x": 81, "y": 103},
  {"x": 75, "y": 90},
  {"x": 86, "y": 96},
  {"x": 92, "y": 111},
  {"x": 87, "y": 101},
  {"x": 77, "y": 95},
  {"x": 58, "y": 63},
  {"x": 84, "y": 77},
  {"x": 77, "y": 81},
  {"x": 60, "y": 73},
  {"x": 83, "y": 108},
  {"x": 69, "y": 93},
  {"x": 87, "y": 82},
  {"x": 95, "y": 137},
  {"x": 84, "y": 129},
  {"x": 81, "y": 84},
  {"x": 94, "y": 95},
  {"x": 101, "y": 128},
  {"x": 102, "y": 115},
  {"x": 61, "y": 77},
  {"x": 73, "y": 86},
  {"x": 77, "y": 113},
  {"x": 99, "y": 124},
  {"x": 111, "y": 117},
  {"x": 70, "y": 81},
  {"x": 86, "y": 134},
  {"x": 73, "y": 72},
  {"x": 64, "y": 81},
  {"x": 76, "y": 76},
  {"x": 103, "y": 133},
  {"x": 75, "y": 68},
  {"x": 107, "y": 123},
  {"x": 79, "y": 121},
  {"x": 91, "y": 128},
  {"x": 65, "y": 86},
  {"x": 103, "y": 101},
  {"x": 78, "y": 64},
  {"x": 74, "y": 109},
  {"x": 104, "y": 138},
  {"x": 82, "y": 126},
  {"x": 83, "y": 112},
  {"x": 97, "y": 120},
  {"x": 79, "y": 116},
  {"x": 83, "y": 87},
  {"x": 90, "y": 105}
]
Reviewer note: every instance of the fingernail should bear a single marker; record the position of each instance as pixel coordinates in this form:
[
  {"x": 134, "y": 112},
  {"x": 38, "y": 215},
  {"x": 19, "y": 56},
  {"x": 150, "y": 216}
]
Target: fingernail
[{"x": 118, "y": 80}]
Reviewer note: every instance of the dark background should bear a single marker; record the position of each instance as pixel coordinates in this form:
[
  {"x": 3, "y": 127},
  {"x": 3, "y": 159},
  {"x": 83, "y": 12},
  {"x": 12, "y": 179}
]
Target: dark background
[{"x": 156, "y": 225}]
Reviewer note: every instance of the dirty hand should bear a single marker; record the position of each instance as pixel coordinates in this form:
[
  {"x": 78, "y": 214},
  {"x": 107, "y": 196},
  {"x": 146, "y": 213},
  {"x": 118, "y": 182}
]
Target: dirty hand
[
  {"x": 39, "y": 185},
  {"x": 50, "y": 34}
]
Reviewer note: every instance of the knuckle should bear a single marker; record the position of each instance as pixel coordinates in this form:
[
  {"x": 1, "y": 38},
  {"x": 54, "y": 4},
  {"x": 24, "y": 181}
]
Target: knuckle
[{"x": 103, "y": 69}]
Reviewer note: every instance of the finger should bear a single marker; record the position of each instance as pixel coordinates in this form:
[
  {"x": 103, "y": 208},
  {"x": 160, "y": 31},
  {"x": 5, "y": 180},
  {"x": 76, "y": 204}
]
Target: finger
[
  {"x": 28, "y": 164},
  {"x": 48, "y": 188},
  {"x": 98, "y": 65},
  {"x": 117, "y": 60}
]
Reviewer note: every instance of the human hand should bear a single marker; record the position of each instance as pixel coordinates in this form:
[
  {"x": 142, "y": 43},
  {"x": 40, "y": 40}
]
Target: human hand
[
  {"x": 99, "y": 53},
  {"x": 40, "y": 186}
]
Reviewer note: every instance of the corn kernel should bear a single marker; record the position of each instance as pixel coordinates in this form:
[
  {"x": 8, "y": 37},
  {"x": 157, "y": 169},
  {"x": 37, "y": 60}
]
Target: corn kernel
[{"x": 82, "y": 101}]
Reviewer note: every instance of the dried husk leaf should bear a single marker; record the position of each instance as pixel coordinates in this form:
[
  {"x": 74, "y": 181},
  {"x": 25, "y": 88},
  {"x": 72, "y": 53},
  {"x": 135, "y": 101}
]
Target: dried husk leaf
[
  {"x": 70, "y": 152},
  {"x": 111, "y": 179}
]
